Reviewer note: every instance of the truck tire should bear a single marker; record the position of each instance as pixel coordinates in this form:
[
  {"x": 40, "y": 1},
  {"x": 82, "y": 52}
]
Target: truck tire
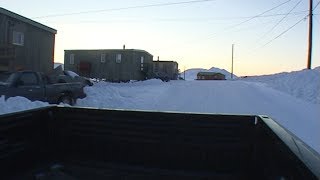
[{"x": 66, "y": 99}]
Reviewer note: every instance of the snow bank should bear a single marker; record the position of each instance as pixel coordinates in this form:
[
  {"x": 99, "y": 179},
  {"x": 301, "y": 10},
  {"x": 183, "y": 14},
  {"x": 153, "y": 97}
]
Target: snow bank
[
  {"x": 303, "y": 84},
  {"x": 15, "y": 104},
  {"x": 132, "y": 95}
]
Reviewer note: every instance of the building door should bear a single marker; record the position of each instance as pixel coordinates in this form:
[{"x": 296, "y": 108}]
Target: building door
[
  {"x": 117, "y": 73},
  {"x": 85, "y": 68}
]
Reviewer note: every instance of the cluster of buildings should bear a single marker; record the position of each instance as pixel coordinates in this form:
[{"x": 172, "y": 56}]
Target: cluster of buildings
[
  {"x": 119, "y": 65},
  {"x": 28, "y": 45}
]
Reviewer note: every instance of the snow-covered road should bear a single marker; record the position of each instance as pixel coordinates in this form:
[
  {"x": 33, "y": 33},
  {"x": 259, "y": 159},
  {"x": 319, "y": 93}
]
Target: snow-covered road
[{"x": 223, "y": 97}]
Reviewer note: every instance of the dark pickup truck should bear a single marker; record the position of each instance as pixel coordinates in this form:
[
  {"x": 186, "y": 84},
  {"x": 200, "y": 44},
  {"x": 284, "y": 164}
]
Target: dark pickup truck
[
  {"x": 69, "y": 143},
  {"x": 37, "y": 86}
]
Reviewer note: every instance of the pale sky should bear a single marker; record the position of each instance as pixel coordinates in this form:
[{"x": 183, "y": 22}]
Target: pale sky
[{"x": 197, "y": 34}]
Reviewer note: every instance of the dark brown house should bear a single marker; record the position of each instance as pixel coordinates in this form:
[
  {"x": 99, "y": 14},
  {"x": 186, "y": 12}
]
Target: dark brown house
[
  {"x": 210, "y": 76},
  {"x": 25, "y": 44}
]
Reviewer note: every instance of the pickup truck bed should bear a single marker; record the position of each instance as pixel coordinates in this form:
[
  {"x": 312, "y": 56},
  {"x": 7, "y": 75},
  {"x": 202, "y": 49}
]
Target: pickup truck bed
[{"x": 79, "y": 143}]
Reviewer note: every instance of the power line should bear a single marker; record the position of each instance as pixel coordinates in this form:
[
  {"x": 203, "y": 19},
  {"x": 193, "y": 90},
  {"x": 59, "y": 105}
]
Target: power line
[
  {"x": 199, "y": 19},
  {"x": 317, "y": 19},
  {"x": 253, "y": 17},
  {"x": 241, "y": 17},
  {"x": 251, "y": 52},
  {"x": 286, "y": 31},
  {"x": 282, "y": 14},
  {"x": 258, "y": 15},
  {"x": 316, "y": 6},
  {"x": 277, "y": 24},
  {"x": 125, "y": 8}
]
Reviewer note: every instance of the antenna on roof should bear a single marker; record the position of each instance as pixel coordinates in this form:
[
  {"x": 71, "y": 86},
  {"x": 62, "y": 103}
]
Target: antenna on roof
[{"x": 124, "y": 46}]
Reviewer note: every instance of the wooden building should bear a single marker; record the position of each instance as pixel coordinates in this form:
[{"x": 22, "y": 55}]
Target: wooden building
[
  {"x": 210, "y": 76},
  {"x": 114, "y": 65},
  {"x": 167, "y": 70},
  {"x": 25, "y": 44}
]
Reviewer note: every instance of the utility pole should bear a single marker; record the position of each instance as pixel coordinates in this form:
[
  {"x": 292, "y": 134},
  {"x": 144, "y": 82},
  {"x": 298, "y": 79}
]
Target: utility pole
[
  {"x": 310, "y": 35},
  {"x": 232, "y": 62}
]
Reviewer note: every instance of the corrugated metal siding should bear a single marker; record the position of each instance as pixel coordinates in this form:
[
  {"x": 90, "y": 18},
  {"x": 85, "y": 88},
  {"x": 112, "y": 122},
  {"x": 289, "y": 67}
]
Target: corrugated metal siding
[
  {"x": 168, "y": 68},
  {"x": 3, "y": 29},
  {"x": 36, "y": 53},
  {"x": 128, "y": 69}
]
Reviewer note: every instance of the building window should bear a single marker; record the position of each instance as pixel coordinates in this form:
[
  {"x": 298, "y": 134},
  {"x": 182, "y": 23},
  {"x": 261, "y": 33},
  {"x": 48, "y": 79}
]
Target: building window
[
  {"x": 18, "y": 38},
  {"x": 71, "y": 59},
  {"x": 141, "y": 60},
  {"x": 103, "y": 58},
  {"x": 118, "y": 58}
]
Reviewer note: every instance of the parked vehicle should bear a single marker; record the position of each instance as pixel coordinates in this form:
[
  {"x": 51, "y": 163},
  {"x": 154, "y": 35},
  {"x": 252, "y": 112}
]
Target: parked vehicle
[
  {"x": 162, "y": 76},
  {"x": 77, "y": 144},
  {"x": 82, "y": 79},
  {"x": 37, "y": 86},
  {"x": 61, "y": 76}
]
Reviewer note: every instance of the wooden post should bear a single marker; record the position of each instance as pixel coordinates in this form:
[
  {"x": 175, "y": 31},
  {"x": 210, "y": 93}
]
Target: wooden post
[
  {"x": 310, "y": 35},
  {"x": 232, "y": 62}
]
